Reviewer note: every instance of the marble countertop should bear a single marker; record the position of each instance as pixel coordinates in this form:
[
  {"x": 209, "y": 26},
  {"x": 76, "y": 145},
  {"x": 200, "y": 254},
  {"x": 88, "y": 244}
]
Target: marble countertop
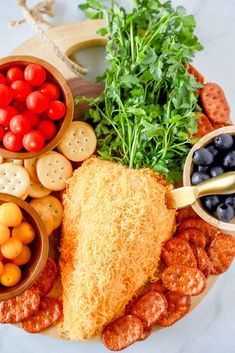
[{"x": 210, "y": 327}]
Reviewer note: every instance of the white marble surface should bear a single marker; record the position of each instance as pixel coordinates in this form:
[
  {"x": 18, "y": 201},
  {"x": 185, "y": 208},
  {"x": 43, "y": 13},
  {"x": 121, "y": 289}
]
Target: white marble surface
[{"x": 210, "y": 327}]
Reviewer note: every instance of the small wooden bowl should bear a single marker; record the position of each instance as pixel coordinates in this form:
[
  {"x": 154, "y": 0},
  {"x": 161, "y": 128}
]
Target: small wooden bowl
[
  {"x": 39, "y": 248},
  {"x": 188, "y": 169},
  {"x": 54, "y": 76}
]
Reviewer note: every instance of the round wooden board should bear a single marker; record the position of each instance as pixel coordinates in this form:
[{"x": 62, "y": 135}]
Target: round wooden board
[{"x": 71, "y": 38}]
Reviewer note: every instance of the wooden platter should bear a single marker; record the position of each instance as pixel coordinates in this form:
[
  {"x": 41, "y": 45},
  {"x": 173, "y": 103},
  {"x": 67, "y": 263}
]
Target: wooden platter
[{"x": 71, "y": 38}]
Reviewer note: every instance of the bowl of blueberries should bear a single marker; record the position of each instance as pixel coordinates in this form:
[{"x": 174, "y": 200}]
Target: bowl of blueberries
[{"x": 213, "y": 155}]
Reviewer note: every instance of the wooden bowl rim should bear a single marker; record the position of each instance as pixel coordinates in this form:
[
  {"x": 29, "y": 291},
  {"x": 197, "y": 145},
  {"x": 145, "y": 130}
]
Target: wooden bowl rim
[
  {"x": 27, "y": 59},
  {"x": 187, "y": 178},
  {"x": 44, "y": 250}
]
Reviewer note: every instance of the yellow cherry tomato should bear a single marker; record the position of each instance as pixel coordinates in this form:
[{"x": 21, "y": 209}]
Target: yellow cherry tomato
[
  {"x": 11, "y": 248},
  {"x": 1, "y": 268},
  {"x": 24, "y": 256},
  {"x": 24, "y": 232},
  {"x": 4, "y": 234},
  {"x": 11, "y": 275},
  {"x": 10, "y": 214}
]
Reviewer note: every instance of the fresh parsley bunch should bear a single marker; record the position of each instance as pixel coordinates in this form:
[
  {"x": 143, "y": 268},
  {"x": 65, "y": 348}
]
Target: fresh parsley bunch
[{"x": 146, "y": 112}]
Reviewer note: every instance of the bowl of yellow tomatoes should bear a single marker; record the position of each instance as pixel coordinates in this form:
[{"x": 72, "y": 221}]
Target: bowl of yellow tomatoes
[{"x": 24, "y": 246}]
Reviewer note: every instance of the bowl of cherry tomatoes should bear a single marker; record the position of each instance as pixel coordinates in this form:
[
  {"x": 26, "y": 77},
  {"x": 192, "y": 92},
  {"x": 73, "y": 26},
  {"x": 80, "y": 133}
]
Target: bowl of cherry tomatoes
[
  {"x": 36, "y": 107},
  {"x": 24, "y": 246}
]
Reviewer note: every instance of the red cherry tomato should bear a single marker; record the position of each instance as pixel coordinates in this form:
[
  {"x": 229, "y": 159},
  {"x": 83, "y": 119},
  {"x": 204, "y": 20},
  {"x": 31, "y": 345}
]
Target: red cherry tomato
[
  {"x": 6, "y": 95},
  {"x": 37, "y": 102},
  {"x": 19, "y": 124},
  {"x": 47, "y": 128},
  {"x": 20, "y": 106},
  {"x": 56, "y": 110},
  {"x": 14, "y": 74},
  {"x": 51, "y": 90},
  {"x": 32, "y": 117},
  {"x": 34, "y": 74},
  {"x": 33, "y": 141},
  {"x": 21, "y": 90},
  {"x": 12, "y": 142},
  {"x": 2, "y": 132},
  {"x": 6, "y": 114},
  {"x": 2, "y": 79}
]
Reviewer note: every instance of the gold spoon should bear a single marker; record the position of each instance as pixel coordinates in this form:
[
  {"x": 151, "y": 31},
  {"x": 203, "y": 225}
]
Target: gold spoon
[{"x": 223, "y": 184}]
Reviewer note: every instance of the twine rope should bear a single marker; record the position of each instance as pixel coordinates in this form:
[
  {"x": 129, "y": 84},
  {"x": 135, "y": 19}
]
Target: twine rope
[{"x": 34, "y": 16}]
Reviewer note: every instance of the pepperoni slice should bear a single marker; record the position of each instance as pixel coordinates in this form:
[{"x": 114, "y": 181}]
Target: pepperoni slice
[
  {"x": 16, "y": 309},
  {"x": 192, "y": 71},
  {"x": 192, "y": 235},
  {"x": 204, "y": 126},
  {"x": 47, "y": 278},
  {"x": 184, "y": 280},
  {"x": 178, "y": 306},
  {"x": 178, "y": 251},
  {"x": 149, "y": 307},
  {"x": 157, "y": 286},
  {"x": 214, "y": 103},
  {"x": 221, "y": 253},
  {"x": 203, "y": 262},
  {"x": 122, "y": 332},
  {"x": 184, "y": 213},
  {"x": 49, "y": 312},
  {"x": 209, "y": 231}
]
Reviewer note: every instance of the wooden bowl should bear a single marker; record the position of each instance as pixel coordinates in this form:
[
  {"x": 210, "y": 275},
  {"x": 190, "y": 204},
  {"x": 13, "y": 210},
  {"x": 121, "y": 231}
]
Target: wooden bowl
[
  {"x": 188, "y": 169},
  {"x": 54, "y": 76},
  {"x": 39, "y": 248}
]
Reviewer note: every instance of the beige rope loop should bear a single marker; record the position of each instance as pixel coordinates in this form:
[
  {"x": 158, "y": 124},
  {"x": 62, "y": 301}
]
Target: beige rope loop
[{"x": 34, "y": 17}]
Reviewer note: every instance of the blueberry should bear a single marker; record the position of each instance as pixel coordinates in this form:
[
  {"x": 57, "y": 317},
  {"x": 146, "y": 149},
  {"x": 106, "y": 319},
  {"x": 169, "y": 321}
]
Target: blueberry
[
  {"x": 216, "y": 170},
  {"x": 199, "y": 177},
  {"x": 225, "y": 212},
  {"x": 211, "y": 202},
  {"x": 202, "y": 168},
  {"x": 212, "y": 150},
  {"x": 229, "y": 160},
  {"x": 223, "y": 141},
  {"x": 202, "y": 157},
  {"x": 230, "y": 200}
]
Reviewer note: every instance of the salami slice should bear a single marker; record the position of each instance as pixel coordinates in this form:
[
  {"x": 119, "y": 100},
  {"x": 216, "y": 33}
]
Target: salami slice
[
  {"x": 218, "y": 126},
  {"x": 199, "y": 78},
  {"x": 178, "y": 251},
  {"x": 214, "y": 103},
  {"x": 47, "y": 278},
  {"x": 203, "y": 262},
  {"x": 157, "y": 286},
  {"x": 204, "y": 126},
  {"x": 192, "y": 235},
  {"x": 178, "y": 306},
  {"x": 149, "y": 307},
  {"x": 208, "y": 230},
  {"x": 184, "y": 280},
  {"x": 221, "y": 253},
  {"x": 49, "y": 312},
  {"x": 17, "y": 309},
  {"x": 184, "y": 213},
  {"x": 122, "y": 332}
]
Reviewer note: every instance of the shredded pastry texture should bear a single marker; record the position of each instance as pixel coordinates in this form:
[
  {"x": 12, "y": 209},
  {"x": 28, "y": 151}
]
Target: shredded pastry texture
[{"x": 115, "y": 221}]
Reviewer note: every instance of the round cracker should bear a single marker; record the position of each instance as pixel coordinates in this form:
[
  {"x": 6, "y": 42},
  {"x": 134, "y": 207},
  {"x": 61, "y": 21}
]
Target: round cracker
[
  {"x": 24, "y": 197},
  {"x": 79, "y": 142},
  {"x": 43, "y": 213},
  {"x": 1, "y": 159},
  {"x": 14, "y": 179},
  {"x": 37, "y": 190},
  {"x": 15, "y": 161},
  {"x": 30, "y": 166},
  {"x": 53, "y": 169},
  {"x": 55, "y": 207}
]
